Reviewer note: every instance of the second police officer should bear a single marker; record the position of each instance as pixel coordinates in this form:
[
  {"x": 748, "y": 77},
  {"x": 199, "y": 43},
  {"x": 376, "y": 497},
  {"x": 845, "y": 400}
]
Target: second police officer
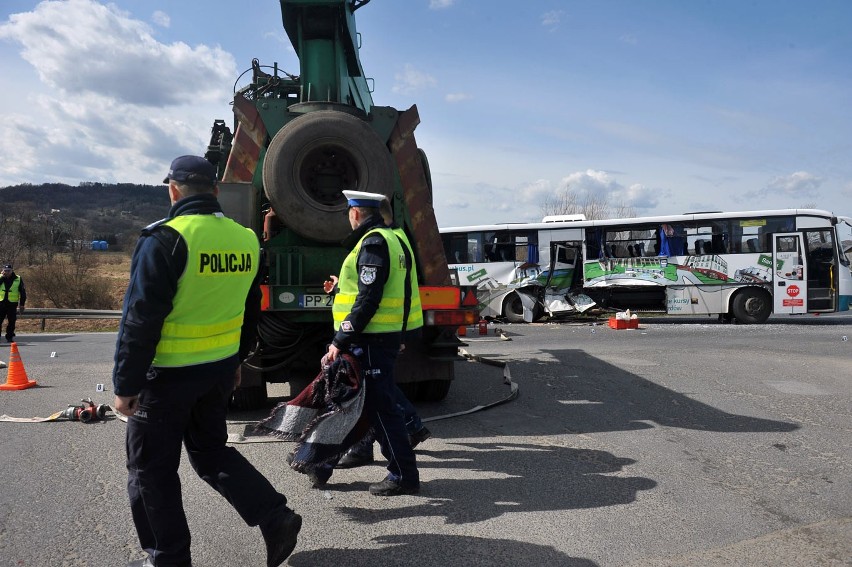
[{"x": 369, "y": 315}]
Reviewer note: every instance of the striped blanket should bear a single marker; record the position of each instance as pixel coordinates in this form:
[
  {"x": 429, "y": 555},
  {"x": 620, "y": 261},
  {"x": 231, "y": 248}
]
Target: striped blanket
[{"x": 325, "y": 419}]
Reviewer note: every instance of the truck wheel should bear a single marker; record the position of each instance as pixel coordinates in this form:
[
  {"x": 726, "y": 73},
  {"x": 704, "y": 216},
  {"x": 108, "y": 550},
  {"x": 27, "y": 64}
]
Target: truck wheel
[
  {"x": 410, "y": 389},
  {"x": 433, "y": 390},
  {"x": 250, "y": 398},
  {"x": 312, "y": 159},
  {"x": 751, "y": 306}
]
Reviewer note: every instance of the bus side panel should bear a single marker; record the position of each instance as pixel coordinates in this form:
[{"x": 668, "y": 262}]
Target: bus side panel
[{"x": 696, "y": 300}]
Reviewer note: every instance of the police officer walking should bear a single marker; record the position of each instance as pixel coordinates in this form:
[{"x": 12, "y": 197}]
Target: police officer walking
[
  {"x": 189, "y": 319},
  {"x": 13, "y": 296},
  {"x": 369, "y": 316},
  {"x": 361, "y": 453}
]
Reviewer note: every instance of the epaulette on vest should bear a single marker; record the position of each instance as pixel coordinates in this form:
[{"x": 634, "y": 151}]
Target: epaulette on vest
[
  {"x": 374, "y": 239},
  {"x": 153, "y": 225}
]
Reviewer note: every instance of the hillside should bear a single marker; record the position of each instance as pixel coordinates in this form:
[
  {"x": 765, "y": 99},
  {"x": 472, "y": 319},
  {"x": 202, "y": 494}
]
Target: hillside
[{"x": 93, "y": 211}]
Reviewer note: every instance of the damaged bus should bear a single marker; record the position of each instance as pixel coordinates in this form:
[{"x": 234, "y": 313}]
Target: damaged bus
[{"x": 741, "y": 266}]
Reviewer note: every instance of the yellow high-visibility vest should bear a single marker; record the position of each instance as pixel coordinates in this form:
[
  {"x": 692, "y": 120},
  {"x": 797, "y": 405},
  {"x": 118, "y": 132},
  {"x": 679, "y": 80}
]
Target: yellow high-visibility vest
[
  {"x": 388, "y": 317},
  {"x": 14, "y": 294},
  {"x": 207, "y": 314}
]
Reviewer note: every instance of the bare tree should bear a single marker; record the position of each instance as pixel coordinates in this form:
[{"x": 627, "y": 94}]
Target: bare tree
[
  {"x": 12, "y": 243},
  {"x": 593, "y": 206},
  {"x": 624, "y": 211}
]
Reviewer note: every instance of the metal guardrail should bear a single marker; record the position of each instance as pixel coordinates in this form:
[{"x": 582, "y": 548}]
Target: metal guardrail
[{"x": 44, "y": 314}]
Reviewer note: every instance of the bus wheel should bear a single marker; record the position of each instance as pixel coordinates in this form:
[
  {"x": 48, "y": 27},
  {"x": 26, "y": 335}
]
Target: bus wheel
[
  {"x": 751, "y": 306},
  {"x": 513, "y": 309}
]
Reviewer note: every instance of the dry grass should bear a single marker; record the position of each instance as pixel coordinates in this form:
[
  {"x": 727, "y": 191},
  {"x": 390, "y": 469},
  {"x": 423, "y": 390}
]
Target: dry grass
[{"x": 115, "y": 267}]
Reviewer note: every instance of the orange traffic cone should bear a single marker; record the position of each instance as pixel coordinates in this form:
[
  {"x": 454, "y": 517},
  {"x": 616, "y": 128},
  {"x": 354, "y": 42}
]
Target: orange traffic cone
[{"x": 16, "y": 379}]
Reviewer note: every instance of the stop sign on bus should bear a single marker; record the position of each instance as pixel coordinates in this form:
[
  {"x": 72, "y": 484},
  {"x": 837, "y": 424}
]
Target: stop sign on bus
[{"x": 793, "y": 290}]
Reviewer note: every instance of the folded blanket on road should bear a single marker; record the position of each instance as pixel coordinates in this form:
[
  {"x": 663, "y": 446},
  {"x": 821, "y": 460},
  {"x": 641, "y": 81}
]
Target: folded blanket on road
[{"x": 325, "y": 419}]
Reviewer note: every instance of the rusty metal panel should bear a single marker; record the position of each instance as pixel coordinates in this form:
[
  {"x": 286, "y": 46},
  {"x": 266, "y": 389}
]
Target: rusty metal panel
[
  {"x": 415, "y": 190},
  {"x": 248, "y": 140}
]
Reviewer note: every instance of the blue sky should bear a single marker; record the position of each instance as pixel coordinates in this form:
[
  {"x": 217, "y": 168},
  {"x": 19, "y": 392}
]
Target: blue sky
[{"x": 665, "y": 106}]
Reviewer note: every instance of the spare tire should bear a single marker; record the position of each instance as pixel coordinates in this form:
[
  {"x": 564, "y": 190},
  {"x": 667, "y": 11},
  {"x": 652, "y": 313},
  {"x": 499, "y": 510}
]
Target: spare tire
[{"x": 312, "y": 159}]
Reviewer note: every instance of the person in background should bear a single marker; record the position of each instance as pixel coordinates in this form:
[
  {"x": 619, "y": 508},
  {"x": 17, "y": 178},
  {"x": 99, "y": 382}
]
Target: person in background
[
  {"x": 13, "y": 296},
  {"x": 370, "y": 318},
  {"x": 189, "y": 319},
  {"x": 362, "y": 453}
]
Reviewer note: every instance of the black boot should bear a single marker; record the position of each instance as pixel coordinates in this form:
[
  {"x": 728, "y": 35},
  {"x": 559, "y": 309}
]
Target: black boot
[
  {"x": 280, "y": 537},
  {"x": 354, "y": 459}
]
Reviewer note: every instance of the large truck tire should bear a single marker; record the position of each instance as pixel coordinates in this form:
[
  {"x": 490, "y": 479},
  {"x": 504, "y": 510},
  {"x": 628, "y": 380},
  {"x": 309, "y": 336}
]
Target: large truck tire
[
  {"x": 249, "y": 398},
  {"x": 433, "y": 390},
  {"x": 312, "y": 159}
]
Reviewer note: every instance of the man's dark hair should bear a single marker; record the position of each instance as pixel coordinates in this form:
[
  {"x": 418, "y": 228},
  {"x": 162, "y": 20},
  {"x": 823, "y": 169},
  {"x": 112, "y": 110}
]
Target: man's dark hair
[{"x": 192, "y": 187}]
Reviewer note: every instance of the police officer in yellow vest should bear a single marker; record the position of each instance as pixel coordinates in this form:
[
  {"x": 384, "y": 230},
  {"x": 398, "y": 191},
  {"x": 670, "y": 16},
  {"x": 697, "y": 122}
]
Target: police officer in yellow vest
[
  {"x": 13, "y": 296},
  {"x": 361, "y": 453},
  {"x": 369, "y": 316},
  {"x": 190, "y": 317}
]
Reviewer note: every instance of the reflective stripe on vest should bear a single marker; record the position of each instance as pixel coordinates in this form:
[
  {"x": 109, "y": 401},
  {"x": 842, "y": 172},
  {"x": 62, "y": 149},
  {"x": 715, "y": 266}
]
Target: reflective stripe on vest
[
  {"x": 388, "y": 317},
  {"x": 14, "y": 294},
  {"x": 207, "y": 314},
  {"x": 415, "y": 313}
]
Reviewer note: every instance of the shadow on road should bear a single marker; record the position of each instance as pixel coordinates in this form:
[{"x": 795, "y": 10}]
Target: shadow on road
[
  {"x": 579, "y": 393},
  {"x": 511, "y": 478},
  {"x": 435, "y": 549}
]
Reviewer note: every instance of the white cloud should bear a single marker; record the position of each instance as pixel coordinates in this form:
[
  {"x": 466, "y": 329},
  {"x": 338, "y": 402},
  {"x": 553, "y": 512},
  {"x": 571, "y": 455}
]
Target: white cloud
[
  {"x": 798, "y": 184},
  {"x": 590, "y": 182},
  {"x": 161, "y": 19},
  {"x": 440, "y": 4},
  {"x": 601, "y": 184},
  {"x": 552, "y": 19},
  {"x": 113, "y": 102},
  {"x": 80, "y": 46},
  {"x": 536, "y": 192},
  {"x": 457, "y": 97},
  {"x": 411, "y": 80},
  {"x": 788, "y": 189}
]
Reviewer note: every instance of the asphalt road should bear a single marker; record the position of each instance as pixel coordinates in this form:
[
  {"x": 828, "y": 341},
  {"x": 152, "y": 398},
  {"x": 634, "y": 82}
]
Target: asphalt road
[{"x": 682, "y": 443}]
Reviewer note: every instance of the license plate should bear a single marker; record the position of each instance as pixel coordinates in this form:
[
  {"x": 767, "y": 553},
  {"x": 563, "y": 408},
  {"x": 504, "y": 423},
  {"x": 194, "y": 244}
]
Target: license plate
[{"x": 315, "y": 301}]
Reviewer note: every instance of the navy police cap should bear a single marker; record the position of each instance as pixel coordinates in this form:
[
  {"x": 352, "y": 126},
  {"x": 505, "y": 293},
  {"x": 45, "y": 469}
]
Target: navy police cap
[{"x": 194, "y": 169}]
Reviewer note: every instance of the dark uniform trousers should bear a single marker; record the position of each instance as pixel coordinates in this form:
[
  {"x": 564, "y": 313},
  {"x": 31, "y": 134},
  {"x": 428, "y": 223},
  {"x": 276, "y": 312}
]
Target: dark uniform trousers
[
  {"x": 188, "y": 405},
  {"x": 386, "y": 415},
  {"x": 9, "y": 310}
]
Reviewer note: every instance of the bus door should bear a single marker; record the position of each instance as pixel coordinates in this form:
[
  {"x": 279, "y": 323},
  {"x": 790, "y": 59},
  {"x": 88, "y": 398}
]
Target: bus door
[
  {"x": 790, "y": 285},
  {"x": 563, "y": 272}
]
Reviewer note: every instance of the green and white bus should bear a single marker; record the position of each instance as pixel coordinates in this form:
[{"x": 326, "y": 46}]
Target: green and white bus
[{"x": 738, "y": 265}]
